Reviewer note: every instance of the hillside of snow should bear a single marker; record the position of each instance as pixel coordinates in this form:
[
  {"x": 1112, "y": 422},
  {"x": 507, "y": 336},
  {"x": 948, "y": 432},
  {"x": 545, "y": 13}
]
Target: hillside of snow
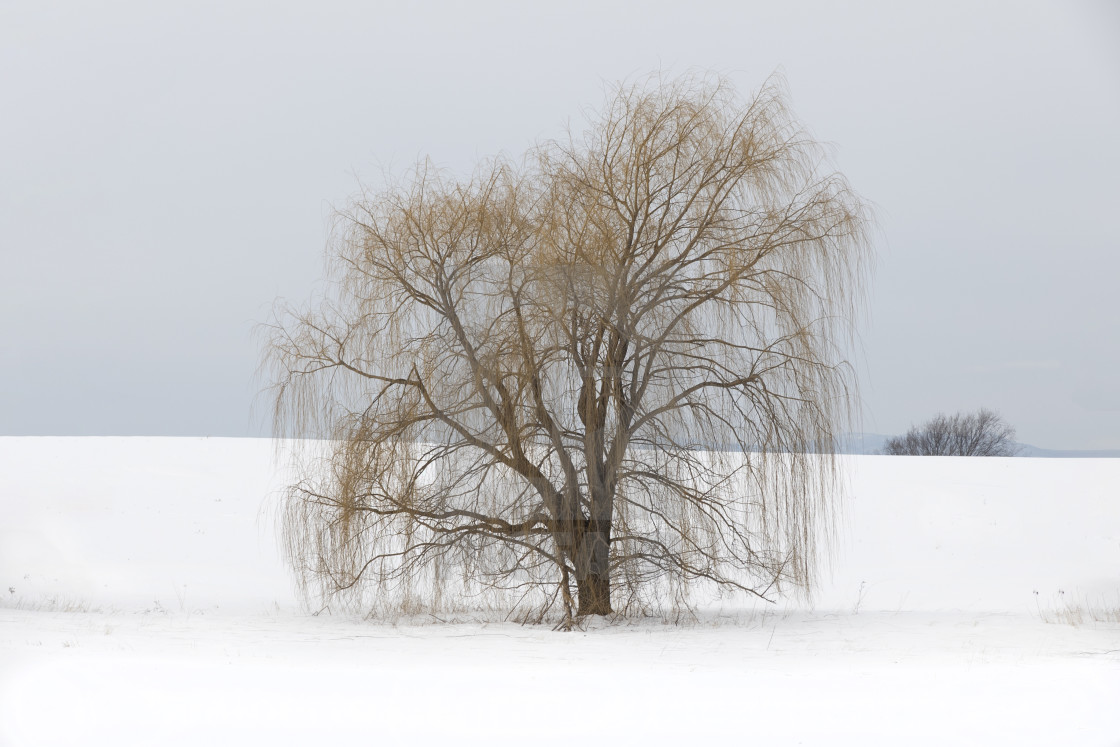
[
  {"x": 183, "y": 524},
  {"x": 972, "y": 601}
]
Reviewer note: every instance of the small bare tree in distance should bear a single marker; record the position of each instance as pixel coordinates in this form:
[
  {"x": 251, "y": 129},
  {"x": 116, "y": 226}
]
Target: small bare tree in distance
[
  {"x": 981, "y": 433},
  {"x": 617, "y": 363}
]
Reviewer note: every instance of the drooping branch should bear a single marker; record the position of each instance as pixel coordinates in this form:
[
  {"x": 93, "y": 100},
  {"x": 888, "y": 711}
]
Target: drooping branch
[{"x": 621, "y": 361}]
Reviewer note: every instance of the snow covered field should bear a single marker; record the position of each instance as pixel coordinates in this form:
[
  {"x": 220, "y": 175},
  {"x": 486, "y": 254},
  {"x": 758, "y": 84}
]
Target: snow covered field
[{"x": 971, "y": 602}]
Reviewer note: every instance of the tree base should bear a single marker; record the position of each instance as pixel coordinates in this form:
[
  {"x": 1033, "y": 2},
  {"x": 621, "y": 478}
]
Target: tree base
[{"x": 594, "y": 596}]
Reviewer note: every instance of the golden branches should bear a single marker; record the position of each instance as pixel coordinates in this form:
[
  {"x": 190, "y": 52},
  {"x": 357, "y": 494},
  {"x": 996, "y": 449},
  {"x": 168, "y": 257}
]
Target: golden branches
[{"x": 619, "y": 362}]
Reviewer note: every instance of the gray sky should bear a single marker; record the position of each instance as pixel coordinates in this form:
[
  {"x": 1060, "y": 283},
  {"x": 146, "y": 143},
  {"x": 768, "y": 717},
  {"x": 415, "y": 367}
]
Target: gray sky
[{"x": 168, "y": 169}]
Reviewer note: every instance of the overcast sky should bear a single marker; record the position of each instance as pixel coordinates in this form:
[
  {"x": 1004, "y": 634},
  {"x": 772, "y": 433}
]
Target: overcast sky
[{"x": 168, "y": 169}]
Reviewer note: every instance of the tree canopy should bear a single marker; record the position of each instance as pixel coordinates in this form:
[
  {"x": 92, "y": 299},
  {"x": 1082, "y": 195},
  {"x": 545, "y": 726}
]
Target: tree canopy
[
  {"x": 619, "y": 362},
  {"x": 980, "y": 433}
]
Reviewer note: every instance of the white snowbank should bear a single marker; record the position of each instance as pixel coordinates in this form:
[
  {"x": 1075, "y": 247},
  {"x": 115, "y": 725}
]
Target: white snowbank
[
  {"x": 179, "y": 524},
  {"x": 959, "y": 533},
  {"x": 139, "y": 523},
  {"x": 148, "y": 606}
]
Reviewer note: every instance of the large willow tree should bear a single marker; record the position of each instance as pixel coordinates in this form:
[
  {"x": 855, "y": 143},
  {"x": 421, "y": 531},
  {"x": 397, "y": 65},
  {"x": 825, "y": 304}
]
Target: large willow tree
[{"x": 618, "y": 363}]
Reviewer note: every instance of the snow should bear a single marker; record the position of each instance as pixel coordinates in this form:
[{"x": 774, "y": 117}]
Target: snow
[{"x": 148, "y": 605}]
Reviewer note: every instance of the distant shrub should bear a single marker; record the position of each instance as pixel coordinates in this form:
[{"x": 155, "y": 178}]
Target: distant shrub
[{"x": 982, "y": 433}]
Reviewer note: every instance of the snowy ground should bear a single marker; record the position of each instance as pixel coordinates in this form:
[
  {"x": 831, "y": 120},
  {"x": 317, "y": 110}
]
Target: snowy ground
[{"x": 144, "y": 604}]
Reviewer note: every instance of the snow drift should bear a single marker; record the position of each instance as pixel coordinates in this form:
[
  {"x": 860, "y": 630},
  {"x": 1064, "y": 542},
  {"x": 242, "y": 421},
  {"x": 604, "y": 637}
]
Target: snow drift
[
  {"x": 181, "y": 524},
  {"x": 144, "y": 602}
]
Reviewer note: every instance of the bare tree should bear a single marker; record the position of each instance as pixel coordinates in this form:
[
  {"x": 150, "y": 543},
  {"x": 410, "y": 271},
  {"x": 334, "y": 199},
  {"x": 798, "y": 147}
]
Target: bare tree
[
  {"x": 617, "y": 362},
  {"x": 982, "y": 433}
]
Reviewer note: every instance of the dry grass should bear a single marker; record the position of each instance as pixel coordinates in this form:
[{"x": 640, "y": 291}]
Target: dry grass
[
  {"x": 51, "y": 603},
  {"x": 1071, "y": 609}
]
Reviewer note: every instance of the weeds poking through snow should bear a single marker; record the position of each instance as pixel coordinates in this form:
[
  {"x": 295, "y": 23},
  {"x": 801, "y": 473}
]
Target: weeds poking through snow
[{"x": 1074, "y": 611}]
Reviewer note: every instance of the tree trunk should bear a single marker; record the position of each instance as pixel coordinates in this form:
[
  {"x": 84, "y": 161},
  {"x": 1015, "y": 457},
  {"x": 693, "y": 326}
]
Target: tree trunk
[
  {"x": 594, "y": 595},
  {"x": 593, "y": 570}
]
